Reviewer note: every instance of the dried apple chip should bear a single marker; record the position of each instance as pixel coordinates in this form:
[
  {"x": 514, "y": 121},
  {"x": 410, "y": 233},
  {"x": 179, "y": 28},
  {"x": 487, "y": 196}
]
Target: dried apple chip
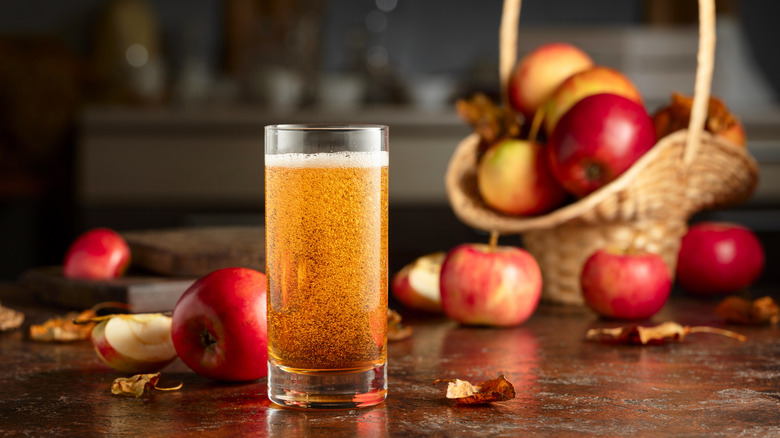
[
  {"x": 740, "y": 310},
  {"x": 10, "y": 319},
  {"x": 489, "y": 391},
  {"x": 63, "y": 328},
  {"x": 395, "y": 330},
  {"x": 73, "y": 326},
  {"x": 138, "y": 384},
  {"x": 656, "y": 335}
]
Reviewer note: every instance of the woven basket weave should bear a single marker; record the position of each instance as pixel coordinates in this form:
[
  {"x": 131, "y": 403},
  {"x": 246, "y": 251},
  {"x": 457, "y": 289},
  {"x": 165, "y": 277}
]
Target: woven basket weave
[{"x": 647, "y": 207}]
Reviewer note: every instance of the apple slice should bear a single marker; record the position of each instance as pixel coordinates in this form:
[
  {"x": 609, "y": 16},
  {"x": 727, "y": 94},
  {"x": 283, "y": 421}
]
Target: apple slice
[
  {"x": 416, "y": 285},
  {"x": 139, "y": 343}
]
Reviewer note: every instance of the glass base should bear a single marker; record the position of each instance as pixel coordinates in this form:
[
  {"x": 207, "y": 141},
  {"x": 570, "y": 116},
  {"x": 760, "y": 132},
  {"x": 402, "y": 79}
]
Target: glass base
[{"x": 327, "y": 389}]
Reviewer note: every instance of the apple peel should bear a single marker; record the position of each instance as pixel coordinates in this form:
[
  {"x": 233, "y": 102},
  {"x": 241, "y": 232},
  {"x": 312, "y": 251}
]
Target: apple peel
[
  {"x": 138, "y": 384},
  {"x": 741, "y": 310},
  {"x": 655, "y": 335},
  {"x": 464, "y": 393}
]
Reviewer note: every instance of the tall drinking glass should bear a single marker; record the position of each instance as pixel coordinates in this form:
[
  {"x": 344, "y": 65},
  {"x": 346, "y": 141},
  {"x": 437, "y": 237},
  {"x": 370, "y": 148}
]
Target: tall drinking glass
[{"x": 326, "y": 264}]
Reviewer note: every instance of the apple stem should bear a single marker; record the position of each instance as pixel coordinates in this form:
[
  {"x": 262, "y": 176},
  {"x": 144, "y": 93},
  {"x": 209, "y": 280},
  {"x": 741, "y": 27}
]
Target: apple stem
[
  {"x": 632, "y": 246},
  {"x": 92, "y": 319},
  {"x": 536, "y": 123},
  {"x": 172, "y": 388},
  {"x": 718, "y": 331},
  {"x": 493, "y": 240}
]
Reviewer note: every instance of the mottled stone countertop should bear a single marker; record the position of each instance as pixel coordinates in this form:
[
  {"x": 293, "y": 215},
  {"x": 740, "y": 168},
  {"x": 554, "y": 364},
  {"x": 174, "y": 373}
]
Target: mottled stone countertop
[{"x": 706, "y": 386}]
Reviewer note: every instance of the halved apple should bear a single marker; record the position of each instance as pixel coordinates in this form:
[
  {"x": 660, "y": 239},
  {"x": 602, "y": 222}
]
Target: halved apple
[
  {"x": 139, "y": 343},
  {"x": 416, "y": 285}
]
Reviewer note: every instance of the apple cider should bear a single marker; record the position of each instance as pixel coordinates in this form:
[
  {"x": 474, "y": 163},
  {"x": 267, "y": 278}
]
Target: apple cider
[{"x": 326, "y": 260}]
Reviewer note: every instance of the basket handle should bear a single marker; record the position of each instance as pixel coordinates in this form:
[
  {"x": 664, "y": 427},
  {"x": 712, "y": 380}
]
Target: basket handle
[
  {"x": 507, "y": 56},
  {"x": 705, "y": 60}
]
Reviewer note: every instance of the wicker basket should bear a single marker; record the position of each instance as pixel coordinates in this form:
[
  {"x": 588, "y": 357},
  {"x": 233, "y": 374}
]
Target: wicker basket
[{"x": 648, "y": 207}]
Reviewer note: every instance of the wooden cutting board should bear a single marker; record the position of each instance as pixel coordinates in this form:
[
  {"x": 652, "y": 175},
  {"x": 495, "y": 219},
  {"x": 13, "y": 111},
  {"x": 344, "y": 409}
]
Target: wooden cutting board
[
  {"x": 197, "y": 251},
  {"x": 164, "y": 263},
  {"x": 144, "y": 293}
]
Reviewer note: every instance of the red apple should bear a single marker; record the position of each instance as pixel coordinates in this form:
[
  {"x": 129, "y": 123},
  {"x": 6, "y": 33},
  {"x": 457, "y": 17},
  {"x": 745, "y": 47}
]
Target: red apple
[
  {"x": 597, "y": 140},
  {"x": 219, "y": 325},
  {"x": 719, "y": 258},
  {"x": 540, "y": 72},
  {"x": 139, "y": 343},
  {"x": 493, "y": 286},
  {"x": 100, "y": 253},
  {"x": 514, "y": 177},
  {"x": 416, "y": 285},
  {"x": 595, "y": 80},
  {"x": 625, "y": 285}
]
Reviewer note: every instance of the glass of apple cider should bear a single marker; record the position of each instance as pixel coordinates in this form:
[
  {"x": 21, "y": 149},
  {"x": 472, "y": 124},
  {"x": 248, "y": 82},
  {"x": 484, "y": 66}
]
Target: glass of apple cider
[{"x": 326, "y": 197}]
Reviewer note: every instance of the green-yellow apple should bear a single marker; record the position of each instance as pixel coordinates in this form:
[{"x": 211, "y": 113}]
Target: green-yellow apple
[
  {"x": 541, "y": 71},
  {"x": 625, "y": 284},
  {"x": 219, "y": 326},
  {"x": 514, "y": 177},
  {"x": 139, "y": 343},
  {"x": 718, "y": 258},
  {"x": 416, "y": 285},
  {"x": 490, "y": 285},
  {"x": 100, "y": 253},
  {"x": 588, "y": 82}
]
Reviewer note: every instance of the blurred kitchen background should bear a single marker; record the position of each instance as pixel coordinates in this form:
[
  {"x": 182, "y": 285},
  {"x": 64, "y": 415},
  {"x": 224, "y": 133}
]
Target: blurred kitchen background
[{"x": 149, "y": 113}]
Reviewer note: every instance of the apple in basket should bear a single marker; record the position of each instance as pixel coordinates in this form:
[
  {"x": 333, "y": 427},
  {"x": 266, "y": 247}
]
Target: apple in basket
[
  {"x": 514, "y": 177},
  {"x": 219, "y": 325},
  {"x": 416, "y": 285},
  {"x": 719, "y": 258},
  {"x": 540, "y": 72},
  {"x": 625, "y": 284},
  {"x": 490, "y": 285},
  {"x": 597, "y": 140},
  {"x": 596, "y": 80},
  {"x": 100, "y": 253}
]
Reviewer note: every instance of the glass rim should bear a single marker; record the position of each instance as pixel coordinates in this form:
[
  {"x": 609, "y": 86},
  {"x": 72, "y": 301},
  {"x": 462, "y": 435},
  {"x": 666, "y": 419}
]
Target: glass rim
[{"x": 333, "y": 127}]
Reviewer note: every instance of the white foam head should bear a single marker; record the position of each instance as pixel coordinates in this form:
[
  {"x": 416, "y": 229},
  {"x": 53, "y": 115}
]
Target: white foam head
[{"x": 334, "y": 159}]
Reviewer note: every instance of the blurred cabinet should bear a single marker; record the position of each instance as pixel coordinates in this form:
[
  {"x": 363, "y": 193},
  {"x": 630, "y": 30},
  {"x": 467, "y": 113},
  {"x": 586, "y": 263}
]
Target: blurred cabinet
[{"x": 215, "y": 158}]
